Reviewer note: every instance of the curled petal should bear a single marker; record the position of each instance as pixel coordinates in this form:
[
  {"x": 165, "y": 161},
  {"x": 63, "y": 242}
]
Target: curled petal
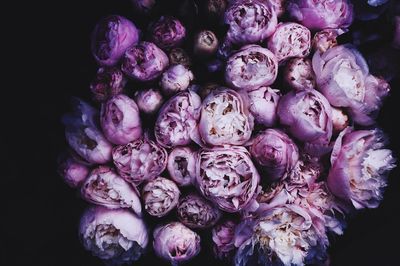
[
  {"x": 227, "y": 177},
  {"x": 104, "y": 187},
  {"x": 160, "y": 196},
  {"x": 263, "y": 103},
  {"x": 140, "y": 160},
  {"x": 182, "y": 165}
]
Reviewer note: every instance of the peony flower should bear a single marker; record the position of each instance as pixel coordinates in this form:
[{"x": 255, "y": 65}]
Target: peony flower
[
  {"x": 83, "y": 134},
  {"x": 178, "y": 56},
  {"x": 326, "y": 39},
  {"x": 144, "y": 5},
  {"x": 263, "y": 105},
  {"x": 120, "y": 120},
  {"x": 167, "y": 32},
  {"x": 298, "y": 74},
  {"x": 105, "y": 187},
  {"x": 275, "y": 152},
  {"x": 148, "y": 100},
  {"x": 227, "y": 177},
  {"x": 215, "y": 9},
  {"x": 160, "y": 196},
  {"x": 205, "y": 43},
  {"x": 223, "y": 239},
  {"x": 321, "y": 14},
  {"x": 117, "y": 236},
  {"x": 72, "y": 171},
  {"x": 360, "y": 165},
  {"x": 339, "y": 120},
  {"x": 250, "y": 21},
  {"x": 342, "y": 76},
  {"x": 251, "y": 67},
  {"x": 144, "y": 62},
  {"x": 176, "y": 243},
  {"x": 285, "y": 235},
  {"x": 182, "y": 165},
  {"x": 107, "y": 83},
  {"x": 140, "y": 160},
  {"x": 225, "y": 118},
  {"x": 308, "y": 117},
  {"x": 196, "y": 212},
  {"x": 175, "y": 79},
  {"x": 111, "y": 37},
  {"x": 176, "y": 124},
  {"x": 290, "y": 40},
  {"x": 305, "y": 173}
]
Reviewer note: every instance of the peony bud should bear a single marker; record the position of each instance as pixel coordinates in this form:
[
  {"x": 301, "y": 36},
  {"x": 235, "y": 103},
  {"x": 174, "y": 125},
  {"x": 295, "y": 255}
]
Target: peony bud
[
  {"x": 225, "y": 118},
  {"x": 175, "y": 79},
  {"x": 144, "y": 62},
  {"x": 176, "y": 124},
  {"x": 73, "y": 172},
  {"x": 216, "y": 8},
  {"x": 160, "y": 196},
  {"x": 178, "y": 56},
  {"x": 263, "y": 105},
  {"x": 205, "y": 43},
  {"x": 227, "y": 177},
  {"x": 120, "y": 120},
  {"x": 148, "y": 100},
  {"x": 196, "y": 212},
  {"x": 139, "y": 161},
  {"x": 176, "y": 243},
  {"x": 299, "y": 75},
  {"x": 290, "y": 40},
  {"x": 167, "y": 32},
  {"x": 117, "y": 236},
  {"x": 250, "y": 21},
  {"x": 108, "y": 83},
  {"x": 275, "y": 152},
  {"x": 223, "y": 240},
  {"x": 104, "y": 187},
  {"x": 111, "y": 37},
  {"x": 326, "y": 39},
  {"x": 251, "y": 67},
  {"x": 182, "y": 165},
  {"x": 83, "y": 134},
  {"x": 322, "y": 14}
]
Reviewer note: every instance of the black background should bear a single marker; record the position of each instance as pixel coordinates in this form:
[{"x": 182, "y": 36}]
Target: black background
[{"x": 53, "y": 63}]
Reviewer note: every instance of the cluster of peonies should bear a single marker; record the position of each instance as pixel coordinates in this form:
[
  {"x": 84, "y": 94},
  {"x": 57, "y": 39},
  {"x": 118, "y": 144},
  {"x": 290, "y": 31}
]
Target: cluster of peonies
[{"x": 272, "y": 166}]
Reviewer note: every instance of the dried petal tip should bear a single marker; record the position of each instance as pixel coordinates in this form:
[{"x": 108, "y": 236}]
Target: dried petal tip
[
  {"x": 176, "y": 243},
  {"x": 299, "y": 75},
  {"x": 182, "y": 165},
  {"x": 175, "y": 79},
  {"x": 73, "y": 172},
  {"x": 117, "y": 236},
  {"x": 109, "y": 81},
  {"x": 111, "y": 37},
  {"x": 196, "y": 212},
  {"x": 160, "y": 196}
]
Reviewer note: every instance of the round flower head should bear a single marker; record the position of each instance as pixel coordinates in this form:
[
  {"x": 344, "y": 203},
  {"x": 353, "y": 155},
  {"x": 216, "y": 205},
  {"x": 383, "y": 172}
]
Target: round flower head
[
  {"x": 285, "y": 235},
  {"x": 275, "y": 152},
  {"x": 326, "y": 39},
  {"x": 167, "y": 32},
  {"x": 72, "y": 171},
  {"x": 227, "y": 177},
  {"x": 298, "y": 74},
  {"x": 160, "y": 196},
  {"x": 176, "y": 123},
  {"x": 111, "y": 37},
  {"x": 140, "y": 160},
  {"x": 360, "y": 165},
  {"x": 83, "y": 134},
  {"x": 182, "y": 165},
  {"x": 321, "y": 14},
  {"x": 175, "y": 79},
  {"x": 263, "y": 104},
  {"x": 117, "y": 236},
  {"x": 308, "y": 117},
  {"x": 223, "y": 239},
  {"x": 120, "y": 120},
  {"x": 342, "y": 76},
  {"x": 251, "y": 67},
  {"x": 225, "y": 118},
  {"x": 178, "y": 56},
  {"x": 105, "y": 187},
  {"x": 109, "y": 81},
  {"x": 144, "y": 62},
  {"x": 196, "y": 212},
  {"x": 176, "y": 243},
  {"x": 250, "y": 21},
  {"x": 205, "y": 43},
  {"x": 290, "y": 40},
  {"x": 148, "y": 100}
]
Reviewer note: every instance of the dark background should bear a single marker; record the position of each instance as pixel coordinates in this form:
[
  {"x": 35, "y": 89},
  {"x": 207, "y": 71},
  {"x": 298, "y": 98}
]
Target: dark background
[{"x": 42, "y": 213}]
